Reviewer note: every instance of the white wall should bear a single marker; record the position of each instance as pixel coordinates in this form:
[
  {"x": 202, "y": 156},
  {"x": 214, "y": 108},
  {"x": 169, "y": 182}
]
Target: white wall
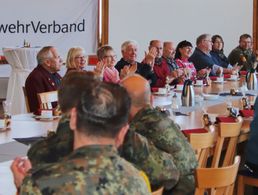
[{"x": 177, "y": 20}]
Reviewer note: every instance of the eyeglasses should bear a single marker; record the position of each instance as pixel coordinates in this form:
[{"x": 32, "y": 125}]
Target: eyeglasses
[
  {"x": 113, "y": 57},
  {"x": 80, "y": 57}
]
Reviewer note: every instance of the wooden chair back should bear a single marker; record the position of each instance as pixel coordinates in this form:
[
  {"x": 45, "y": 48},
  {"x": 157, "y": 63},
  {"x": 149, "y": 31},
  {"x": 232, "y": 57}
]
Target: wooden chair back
[
  {"x": 45, "y": 99},
  {"x": 26, "y": 99},
  {"x": 219, "y": 180},
  {"x": 158, "y": 191},
  {"x": 230, "y": 131},
  {"x": 202, "y": 143}
]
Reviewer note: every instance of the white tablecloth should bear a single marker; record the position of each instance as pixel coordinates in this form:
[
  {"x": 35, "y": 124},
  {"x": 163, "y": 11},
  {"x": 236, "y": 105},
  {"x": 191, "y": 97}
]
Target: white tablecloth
[{"x": 22, "y": 61}]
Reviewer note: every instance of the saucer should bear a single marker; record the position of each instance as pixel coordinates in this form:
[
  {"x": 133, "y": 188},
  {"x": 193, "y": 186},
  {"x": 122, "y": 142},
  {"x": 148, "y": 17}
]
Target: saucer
[
  {"x": 230, "y": 79},
  {"x": 42, "y": 118},
  {"x": 161, "y": 94},
  {"x": 210, "y": 96},
  {"x": 219, "y": 82}
]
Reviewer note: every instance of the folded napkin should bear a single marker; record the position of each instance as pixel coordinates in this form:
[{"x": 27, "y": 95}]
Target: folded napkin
[
  {"x": 198, "y": 130},
  {"x": 227, "y": 76},
  {"x": 227, "y": 93},
  {"x": 243, "y": 72},
  {"x": 246, "y": 113},
  {"x": 29, "y": 140},
  {"x": 213, "y": 78},
  {"x": 154, "y": 89},
  {"x": 225, "y": 119}
]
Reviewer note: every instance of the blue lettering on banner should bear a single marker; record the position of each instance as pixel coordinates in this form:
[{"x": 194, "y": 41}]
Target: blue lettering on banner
[{"x": 39, "y": 27}]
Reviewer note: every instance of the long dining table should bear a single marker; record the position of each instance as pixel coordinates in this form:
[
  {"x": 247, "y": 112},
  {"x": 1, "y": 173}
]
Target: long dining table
[{"x": 25, "y": 125}]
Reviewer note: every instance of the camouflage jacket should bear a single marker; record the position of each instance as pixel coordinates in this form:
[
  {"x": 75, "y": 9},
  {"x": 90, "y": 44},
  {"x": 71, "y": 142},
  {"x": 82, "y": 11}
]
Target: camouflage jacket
[
  {"x": 158, "y": 128},
  {"x": 95, "y": 169},
  {"x": 158, "y": 165},
  {"x": 54, "y": 147},
  {"x": 237, "y": 54}
]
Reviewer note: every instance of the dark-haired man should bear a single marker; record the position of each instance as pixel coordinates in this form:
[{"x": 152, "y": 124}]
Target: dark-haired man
[
  {"x": 99, "y": 122},
  {"x": 243, "y": 54}
]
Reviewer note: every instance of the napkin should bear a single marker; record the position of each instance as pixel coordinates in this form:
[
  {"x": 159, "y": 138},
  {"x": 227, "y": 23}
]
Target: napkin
[
  {"x": 154, "y": 89},
  {"x": 246, "y": 113},
  {"x": 227, "y": 76},
  {"x": 243, "y": 72},
  {"x": 213, "y": 78},
  {"x": 198, "y": 130},
  {"x": 29, "y": 140},
  {"x": 225, "y": 119}
]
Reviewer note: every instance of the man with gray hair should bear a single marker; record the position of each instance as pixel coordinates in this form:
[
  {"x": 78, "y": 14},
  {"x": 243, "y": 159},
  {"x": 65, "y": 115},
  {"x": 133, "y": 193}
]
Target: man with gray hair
[
  {"x": 202, "y": 58},
  {"x": 44, "y": 77},
  {"x": 128, "y": 62}
]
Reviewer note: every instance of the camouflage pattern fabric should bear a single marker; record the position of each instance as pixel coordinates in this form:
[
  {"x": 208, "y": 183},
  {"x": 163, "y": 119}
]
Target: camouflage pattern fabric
[
  {"x": 55, "y": 147},
  {"x": 91, "y": 170},
  {"x": 238, "y": 53},
  {"x": 158, "y": 128},
  {"x": 158, "y": 165}
]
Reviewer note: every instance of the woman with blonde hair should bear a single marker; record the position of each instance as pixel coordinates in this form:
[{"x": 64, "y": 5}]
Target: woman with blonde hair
[{"x": 76, "y": 59}]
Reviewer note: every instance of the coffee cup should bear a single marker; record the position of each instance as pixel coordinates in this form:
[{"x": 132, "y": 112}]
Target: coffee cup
[
  {"x": 162, "y": 90},
  {"x": 220, "y": 79},
  {"x": 199, "y": 82},
  {"x": 233, "y": 77},
  {"x": 2, "y": 123},
  {"x": 46, "y": 113},
  {"x": 179, "y": 87}
]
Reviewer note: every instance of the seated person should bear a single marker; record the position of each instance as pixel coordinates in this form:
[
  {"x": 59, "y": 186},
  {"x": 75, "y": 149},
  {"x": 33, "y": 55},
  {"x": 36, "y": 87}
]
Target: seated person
[
  {"x": 99, "y": 122},
  {"x": 105, "y": 66},
  {"x": 76, "y": 59},
  {"x": 44, "y": 77},
  {"x": 165, "y": 67},
  {"x": 136, "y": 148},
  {"x": 183, "y": 52},
  {"x": 202, "y": 58},
  {"x": 243, "y": 54},
  {"x": 159, "y": 129},
  {"x": 129, "y": 51}
]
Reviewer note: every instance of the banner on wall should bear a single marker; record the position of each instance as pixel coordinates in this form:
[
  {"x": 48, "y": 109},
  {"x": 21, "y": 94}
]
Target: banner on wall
[{"x": 61, "y": 23}]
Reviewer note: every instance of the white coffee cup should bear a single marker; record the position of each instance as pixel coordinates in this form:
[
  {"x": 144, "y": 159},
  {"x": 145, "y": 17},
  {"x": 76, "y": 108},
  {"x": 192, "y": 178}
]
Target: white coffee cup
[
  {"x": 179, "y": 87},
  {"x": 199, "y": 82},
  {"x": 162, "y": 90},
  {"x": 46, "y": 113},
  {"x": 233, "y": 77},
  {"x": 220, "y": 79}
]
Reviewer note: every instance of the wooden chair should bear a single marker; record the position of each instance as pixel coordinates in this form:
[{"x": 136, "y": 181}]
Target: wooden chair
[
  {"x": 158, "y": 192},
  {"x": 26, "y": 99},
  {"x": 45, "y": 99},
  {"x": 219, "y": 180},
  {"x": 230, "y": 131},
  {"x": 245, "y": 178},
  {"x": 202, "y": 144}
]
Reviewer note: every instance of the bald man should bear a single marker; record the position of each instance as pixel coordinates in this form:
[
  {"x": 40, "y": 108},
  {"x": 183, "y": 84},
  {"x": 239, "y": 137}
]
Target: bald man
[
  {"x": 158, "y": 128},
  {"x": 166, "y": 65}
]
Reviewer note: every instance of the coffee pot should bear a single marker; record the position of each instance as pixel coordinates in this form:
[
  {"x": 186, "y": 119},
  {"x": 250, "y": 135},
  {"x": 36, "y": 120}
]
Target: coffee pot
[
  {"x": 188, "y": 94},
  {"x": 251, "y": 80}
]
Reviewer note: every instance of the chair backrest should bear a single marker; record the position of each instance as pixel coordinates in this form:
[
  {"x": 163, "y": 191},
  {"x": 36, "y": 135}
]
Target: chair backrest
[
  {"x": 202, "y": 144},
  {"x": 230, "y": 131},
  {"x": 46, "y": 98},
  {"x": 26, "y": 99},
  {"x": 219, "y": 180},
  {"x": 158, "y": 192}
]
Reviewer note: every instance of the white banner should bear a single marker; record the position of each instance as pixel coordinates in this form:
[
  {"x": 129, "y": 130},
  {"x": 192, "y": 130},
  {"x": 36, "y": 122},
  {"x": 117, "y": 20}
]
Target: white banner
[{"x": 61, "y": 23}]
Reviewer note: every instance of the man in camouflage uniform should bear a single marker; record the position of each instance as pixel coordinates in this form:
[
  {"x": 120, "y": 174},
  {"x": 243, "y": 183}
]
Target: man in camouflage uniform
[
  {"x": 138, "y": 150},
  {"x": 243, "y": 54},
  {"x": 99, "y": 122},
  {"x": 158, "y": 128}
]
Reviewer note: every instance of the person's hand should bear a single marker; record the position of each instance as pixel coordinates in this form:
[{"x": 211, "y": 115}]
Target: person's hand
[
  {"x": 19, "y": 168},
  {"x": 150, "y": 56},
  {"x": 99, "y": 69},
  {"x": 124, "y": 71},
  {"x": 203, "y": 72}
]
